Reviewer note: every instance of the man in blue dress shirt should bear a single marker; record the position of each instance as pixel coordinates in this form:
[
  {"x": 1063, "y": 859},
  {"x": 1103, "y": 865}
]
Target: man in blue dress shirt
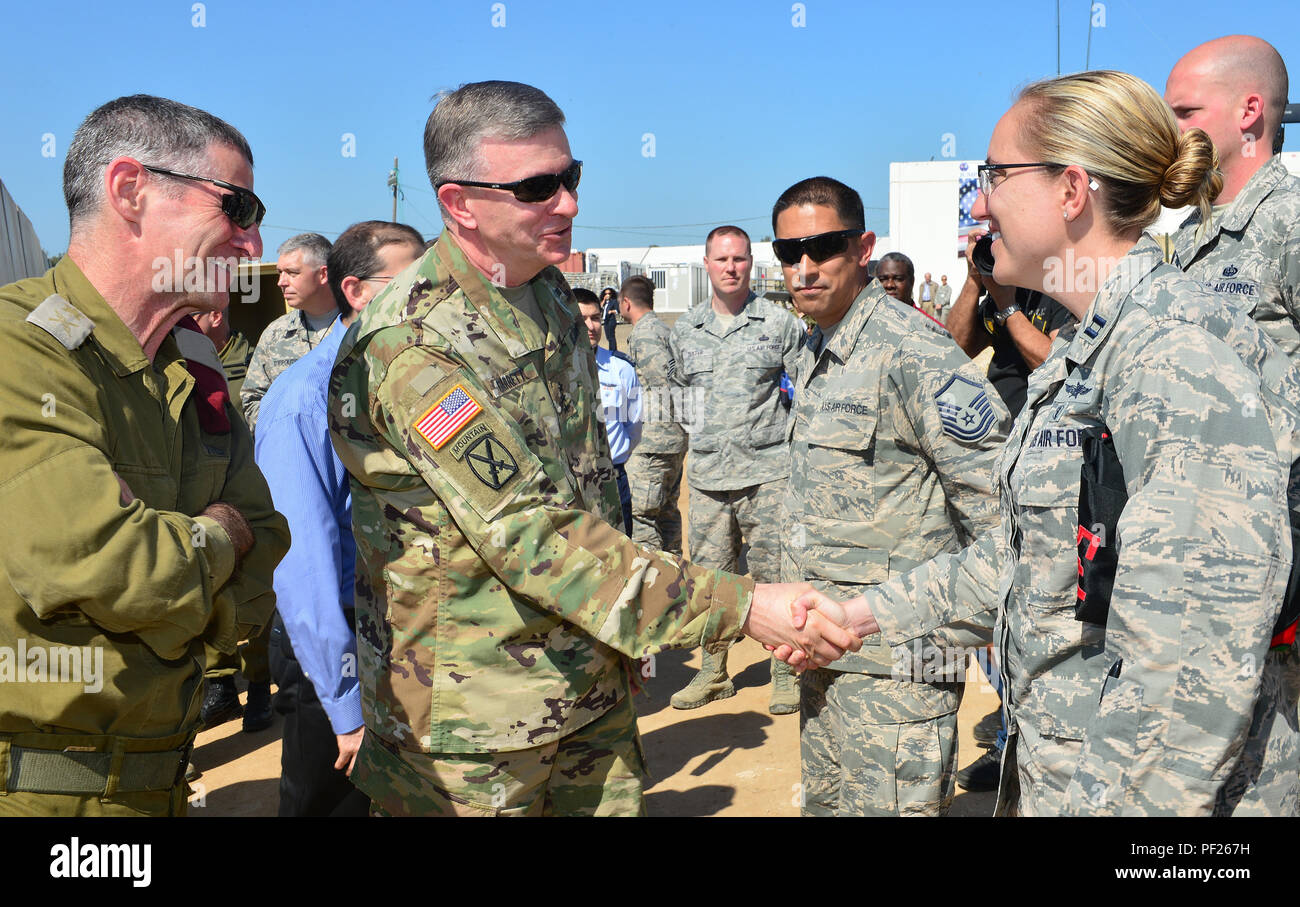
[
  {"x": 620, "y": 397},
  {"x": 313, "y": 637}
]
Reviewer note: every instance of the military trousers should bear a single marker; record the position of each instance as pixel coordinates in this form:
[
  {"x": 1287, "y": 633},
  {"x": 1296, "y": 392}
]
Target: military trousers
[
  {"x": 722, "y": 521},
  {"x": 598, "y": 770},
  {"x": 874, "y": 746},
  {"x": 252, "y": 660},
  {"x": 656, "y": 480}
]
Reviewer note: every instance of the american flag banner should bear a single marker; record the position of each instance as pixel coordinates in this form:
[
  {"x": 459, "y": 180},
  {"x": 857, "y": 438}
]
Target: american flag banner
[
  {"x": 967, "y": 190},
  {"x": 448, "y": 416}
]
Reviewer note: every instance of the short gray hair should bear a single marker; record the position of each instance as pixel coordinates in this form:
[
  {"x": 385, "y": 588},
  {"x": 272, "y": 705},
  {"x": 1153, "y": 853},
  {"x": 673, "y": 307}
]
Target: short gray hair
[
  {"x": 315, "y": 248},
  {"x": 462, "y": 118},
  {"x": 155, "y": 131}
]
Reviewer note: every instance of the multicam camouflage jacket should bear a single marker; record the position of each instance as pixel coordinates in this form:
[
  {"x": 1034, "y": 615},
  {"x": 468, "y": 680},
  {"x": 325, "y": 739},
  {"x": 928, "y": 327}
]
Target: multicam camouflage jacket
[
  {"x": 1250, "y": 254},
  {"x": 496, "y": 603},
  {"x": 651, "y": 351},
  {"x": 895, "y": 435},
  {"x": 742, "y": 436},
  {"x": 1176, "y": 704}
]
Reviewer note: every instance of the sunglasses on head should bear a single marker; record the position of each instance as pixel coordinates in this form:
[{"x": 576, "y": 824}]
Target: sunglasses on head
[
  {"x": 818, "y": 247},
  {"x": 531, "y": 189},
  {"x": 243, "y": 208}
]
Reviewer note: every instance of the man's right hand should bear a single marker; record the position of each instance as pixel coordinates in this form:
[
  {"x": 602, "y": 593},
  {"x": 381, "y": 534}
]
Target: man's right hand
[
  {"x": 349, "y": 743},
  {"x": 233, "y": 522}
]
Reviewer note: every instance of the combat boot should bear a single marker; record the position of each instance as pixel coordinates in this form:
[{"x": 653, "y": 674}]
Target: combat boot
[
  {"x": 785, "y": 689},
  {"x": 220, "y": 702},
  {"x": 709, "y": 684},
  {"x": 257, "y": 714}
]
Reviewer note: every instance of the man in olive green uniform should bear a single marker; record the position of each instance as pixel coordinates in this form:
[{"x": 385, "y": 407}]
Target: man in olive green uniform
[
  {"x": 895, "y": 435},
  {"x": 497, "y": 606},
  {"x": 731, "y": 351},
  {"x": 655, "y": 467},
  {"x": 1235, "y": 88},
  {"x": 233, "y": 348},
  {"x": 137, "y": 526}
]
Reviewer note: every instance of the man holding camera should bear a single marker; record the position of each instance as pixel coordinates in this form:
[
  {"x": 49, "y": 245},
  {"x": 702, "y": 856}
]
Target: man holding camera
[{"x": 1019, "y": 324}]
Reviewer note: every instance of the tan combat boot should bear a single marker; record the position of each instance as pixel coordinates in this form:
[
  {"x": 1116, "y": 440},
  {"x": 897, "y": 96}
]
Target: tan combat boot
[
  {"x": 785, "y": 689},
  {"x": 710, "y": 683}
]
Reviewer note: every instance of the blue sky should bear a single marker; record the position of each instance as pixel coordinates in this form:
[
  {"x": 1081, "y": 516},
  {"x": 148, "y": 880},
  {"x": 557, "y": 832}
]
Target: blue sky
[{"x": 736, "y": 100}]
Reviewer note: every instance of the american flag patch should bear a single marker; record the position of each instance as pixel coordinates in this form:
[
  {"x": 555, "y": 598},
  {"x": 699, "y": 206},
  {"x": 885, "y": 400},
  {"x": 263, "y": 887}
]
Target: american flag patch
[{"x": 448, "y": 416}]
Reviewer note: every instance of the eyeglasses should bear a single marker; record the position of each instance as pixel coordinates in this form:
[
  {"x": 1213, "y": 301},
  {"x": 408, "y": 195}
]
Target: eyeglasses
[
  {"x": 380, "y": 277},
  {"x": 244, "y": 208},
  {"x": 819, "y": 247},
  {"x": 530, "y": 189},
  {"x": 986, "y": 171}
]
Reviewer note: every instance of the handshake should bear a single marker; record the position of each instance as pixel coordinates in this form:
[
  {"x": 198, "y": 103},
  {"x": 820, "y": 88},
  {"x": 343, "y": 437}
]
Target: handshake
[{"x": 806, "y": 628}]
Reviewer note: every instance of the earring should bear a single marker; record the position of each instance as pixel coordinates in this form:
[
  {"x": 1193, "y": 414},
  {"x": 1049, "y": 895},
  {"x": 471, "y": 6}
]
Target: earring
[
  {"x": 1065, "y": 214},
  {"x": 1093, "y": 185}
]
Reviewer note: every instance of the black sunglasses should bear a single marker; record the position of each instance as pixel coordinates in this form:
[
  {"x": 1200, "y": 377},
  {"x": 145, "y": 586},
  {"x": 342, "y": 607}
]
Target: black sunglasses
[
  {"x": 244, "y": 208},
  {"x": 531, "y": 189},
  {"x": 819, "y": 247}
]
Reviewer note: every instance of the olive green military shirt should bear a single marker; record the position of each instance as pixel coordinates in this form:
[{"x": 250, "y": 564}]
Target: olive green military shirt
[
  {"x": 235, "y": 356},
  {"x": 497, "y": 605},
  {"x": 139, "y": 584}
]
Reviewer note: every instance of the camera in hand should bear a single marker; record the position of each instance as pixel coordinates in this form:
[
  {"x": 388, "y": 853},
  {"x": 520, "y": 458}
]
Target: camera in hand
[{"x": 982, "y": 255}]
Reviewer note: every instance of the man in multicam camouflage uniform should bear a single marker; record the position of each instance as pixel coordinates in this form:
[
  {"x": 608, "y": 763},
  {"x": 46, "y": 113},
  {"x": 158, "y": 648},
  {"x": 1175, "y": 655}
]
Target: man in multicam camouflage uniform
[
  {"x": 1235, "y": 88},
  {"x": 497, "y": 607},
  {"x": 731, "y": 351},
  {"x": 895, "y": 436},
  {"x": 1179, "y": 704},
  {"x": 655, "y": 467},
  {"x": 304, "y": 283}
]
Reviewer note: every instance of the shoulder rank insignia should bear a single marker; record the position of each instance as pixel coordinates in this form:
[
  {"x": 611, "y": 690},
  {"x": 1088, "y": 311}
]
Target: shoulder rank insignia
[
  {"x": 62, "y": 320},
  {"x": 449, "y": 415},
  {"x": 964, "y": 409}
]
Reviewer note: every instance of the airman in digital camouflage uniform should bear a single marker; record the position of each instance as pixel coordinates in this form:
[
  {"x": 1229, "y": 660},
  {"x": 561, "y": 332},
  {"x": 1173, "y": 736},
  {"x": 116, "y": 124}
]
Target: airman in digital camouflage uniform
[
  {"x": 1146, "y": 665},
  {"x": 655, "y": 467},
  {"x": 136, "y": 525},
  {"x": 497, "y": 606},
  {"x": 895, "y": 435},
  {"x": 303, "y": 281},
  {"x": 1234, "y": 88},
  {"x": 731, "y": 351}
]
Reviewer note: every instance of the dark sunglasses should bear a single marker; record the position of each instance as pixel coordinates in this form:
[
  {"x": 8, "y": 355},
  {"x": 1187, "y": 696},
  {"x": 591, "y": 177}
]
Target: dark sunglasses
[
  {"x": 819, "y": 247},
  {"x": 531, "y": 189},
  {"x": 244, "y": 208}
]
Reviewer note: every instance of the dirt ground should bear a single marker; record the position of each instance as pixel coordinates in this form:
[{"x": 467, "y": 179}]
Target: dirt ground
[{"x": 728, "y": 758}]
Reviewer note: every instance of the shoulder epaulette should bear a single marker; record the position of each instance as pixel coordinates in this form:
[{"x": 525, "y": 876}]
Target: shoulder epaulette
[{"x": 62, "y": 320}]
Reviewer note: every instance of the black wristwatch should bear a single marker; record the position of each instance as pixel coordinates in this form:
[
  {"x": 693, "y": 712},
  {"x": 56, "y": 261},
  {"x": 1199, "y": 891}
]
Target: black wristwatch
[{"x": 1001, "y": 315}]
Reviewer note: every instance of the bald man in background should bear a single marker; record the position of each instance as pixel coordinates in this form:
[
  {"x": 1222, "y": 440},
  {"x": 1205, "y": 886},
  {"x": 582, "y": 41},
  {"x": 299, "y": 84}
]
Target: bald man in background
[{"x": 1235, "y": 88}]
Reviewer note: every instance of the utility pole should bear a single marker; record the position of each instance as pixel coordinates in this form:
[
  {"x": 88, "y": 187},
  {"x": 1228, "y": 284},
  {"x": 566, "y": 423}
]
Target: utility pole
[{"x": 392, "y": 181}]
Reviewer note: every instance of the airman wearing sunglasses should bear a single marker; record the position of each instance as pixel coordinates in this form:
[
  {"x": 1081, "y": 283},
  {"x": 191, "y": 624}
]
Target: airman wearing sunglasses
[
  {"x": 497, "y": 606},
  {"x": 135, "y": 523},
  {"x": 895, "y": 433}
]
